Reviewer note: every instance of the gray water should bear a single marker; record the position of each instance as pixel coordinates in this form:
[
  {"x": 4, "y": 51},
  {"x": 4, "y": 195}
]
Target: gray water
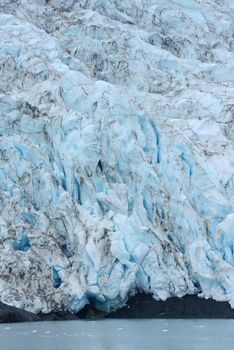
[{"x": 119, "y": 335}]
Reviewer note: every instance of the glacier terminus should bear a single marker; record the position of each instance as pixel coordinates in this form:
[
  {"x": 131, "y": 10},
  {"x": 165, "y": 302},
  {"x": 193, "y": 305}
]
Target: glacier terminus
[{"x": 116, "y": 151}]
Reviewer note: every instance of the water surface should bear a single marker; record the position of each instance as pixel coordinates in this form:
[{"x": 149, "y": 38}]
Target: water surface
[{"x": 119, "y": 335}]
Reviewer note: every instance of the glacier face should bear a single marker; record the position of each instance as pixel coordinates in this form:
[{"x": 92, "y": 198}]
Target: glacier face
[{"x": 116, "y": 151}]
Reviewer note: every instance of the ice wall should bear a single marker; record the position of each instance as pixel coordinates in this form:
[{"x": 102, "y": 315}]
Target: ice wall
[{"x": 116, "y": 151}]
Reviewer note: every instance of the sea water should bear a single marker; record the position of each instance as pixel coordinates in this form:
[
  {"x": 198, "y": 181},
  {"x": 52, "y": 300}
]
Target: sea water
[{"x": 119, "y": 335}]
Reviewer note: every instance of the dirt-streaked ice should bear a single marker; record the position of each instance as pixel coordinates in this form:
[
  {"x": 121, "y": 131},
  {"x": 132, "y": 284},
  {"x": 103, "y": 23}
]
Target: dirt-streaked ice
[{"x": 116, "y": 151}]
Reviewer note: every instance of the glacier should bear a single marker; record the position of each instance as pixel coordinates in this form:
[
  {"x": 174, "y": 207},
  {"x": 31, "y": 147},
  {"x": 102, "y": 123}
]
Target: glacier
[{"x": 116, "y": 151}]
